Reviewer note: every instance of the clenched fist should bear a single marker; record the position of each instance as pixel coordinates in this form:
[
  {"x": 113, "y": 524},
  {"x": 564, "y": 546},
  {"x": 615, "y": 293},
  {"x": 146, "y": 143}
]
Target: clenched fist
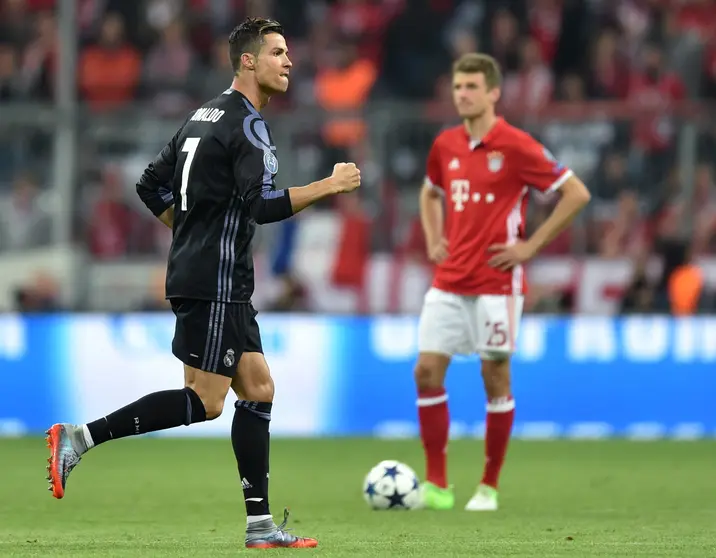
[{"x": 346, "y": 177}]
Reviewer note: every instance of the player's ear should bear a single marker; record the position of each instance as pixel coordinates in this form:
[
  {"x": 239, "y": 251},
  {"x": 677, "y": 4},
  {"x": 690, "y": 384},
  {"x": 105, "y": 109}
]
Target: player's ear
[
  {"x": 495, "y": 94},
  {"x": 248, "y": 61}
]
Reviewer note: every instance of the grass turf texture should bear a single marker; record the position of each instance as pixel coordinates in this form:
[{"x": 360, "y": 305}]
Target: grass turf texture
[{"x": 159, "y": 497}]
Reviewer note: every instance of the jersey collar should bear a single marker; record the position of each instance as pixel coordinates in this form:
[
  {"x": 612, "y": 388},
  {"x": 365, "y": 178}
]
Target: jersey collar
[{"x": 490, "y": 136}]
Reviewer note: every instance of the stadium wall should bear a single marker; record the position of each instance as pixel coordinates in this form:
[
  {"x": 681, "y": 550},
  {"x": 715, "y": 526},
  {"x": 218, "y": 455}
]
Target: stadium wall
[{"x": 582, "y": 377}]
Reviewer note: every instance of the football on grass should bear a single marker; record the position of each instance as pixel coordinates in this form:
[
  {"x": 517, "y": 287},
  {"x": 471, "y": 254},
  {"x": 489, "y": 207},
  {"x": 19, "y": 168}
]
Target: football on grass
[{"x": 392, "y": 485}]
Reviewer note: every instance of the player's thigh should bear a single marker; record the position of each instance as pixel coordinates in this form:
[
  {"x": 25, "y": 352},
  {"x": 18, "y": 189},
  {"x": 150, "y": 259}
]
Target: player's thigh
[
  {"x": 189, "y": 375},
  {"x": 498, "y": 321},
  {"x": 208, "y": 339},
  {"x": 253, "y": 381},
  {"x": 444, "y": 325}
]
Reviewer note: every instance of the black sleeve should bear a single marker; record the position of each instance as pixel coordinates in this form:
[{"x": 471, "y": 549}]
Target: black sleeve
[
  {"x": 255, "y": 182},
  {"x": 154, "y": 186}
]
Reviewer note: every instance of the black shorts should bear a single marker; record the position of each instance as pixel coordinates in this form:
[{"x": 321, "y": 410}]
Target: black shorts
[{"x": 212, "y": 336}]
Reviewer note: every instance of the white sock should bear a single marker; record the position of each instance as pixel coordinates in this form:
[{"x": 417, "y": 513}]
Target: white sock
[
  {"x": 88, "y": 437},
  {"x": 256, "y": 518}
]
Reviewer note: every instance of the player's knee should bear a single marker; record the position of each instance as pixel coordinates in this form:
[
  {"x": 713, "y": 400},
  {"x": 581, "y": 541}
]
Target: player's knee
[
  {"x": 211, "y": 389},
  {"x": 254, "y": 382},
  {"x": 214, "y": 407},
  {"x": 428, "y": 375},
  {"x": 261, "y": 390},
  {"x": 213, "y": 402}
]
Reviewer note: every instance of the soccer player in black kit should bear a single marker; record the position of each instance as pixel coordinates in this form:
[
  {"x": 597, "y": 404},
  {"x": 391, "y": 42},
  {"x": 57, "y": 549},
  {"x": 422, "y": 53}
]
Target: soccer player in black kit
[{"x": 212, "y": 183}]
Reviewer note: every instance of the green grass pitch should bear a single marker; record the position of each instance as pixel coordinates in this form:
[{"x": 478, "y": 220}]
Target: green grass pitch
[{"x": 157, "y": 497}]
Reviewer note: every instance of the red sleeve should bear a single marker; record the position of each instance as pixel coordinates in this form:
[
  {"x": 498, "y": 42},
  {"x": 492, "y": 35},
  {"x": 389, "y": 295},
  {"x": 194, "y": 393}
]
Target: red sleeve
[
  {"x": 433, "y": 170},
  {"x": 538, "y": 168}
]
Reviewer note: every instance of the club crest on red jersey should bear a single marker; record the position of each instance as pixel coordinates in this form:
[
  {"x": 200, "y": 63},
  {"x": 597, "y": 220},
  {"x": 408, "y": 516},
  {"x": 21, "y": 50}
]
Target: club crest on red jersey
[{"x": 495, "y": 159}]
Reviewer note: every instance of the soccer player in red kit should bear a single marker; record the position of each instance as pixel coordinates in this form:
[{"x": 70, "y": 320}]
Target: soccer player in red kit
[{"x": 472, "y": 207}]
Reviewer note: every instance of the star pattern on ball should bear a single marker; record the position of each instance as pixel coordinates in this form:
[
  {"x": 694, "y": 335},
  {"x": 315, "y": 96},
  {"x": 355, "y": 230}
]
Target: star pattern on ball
[
  {"x": 370, "y": 489},
  {"x": 392, "y": 472},
  {"x": 396, "y": 499}
]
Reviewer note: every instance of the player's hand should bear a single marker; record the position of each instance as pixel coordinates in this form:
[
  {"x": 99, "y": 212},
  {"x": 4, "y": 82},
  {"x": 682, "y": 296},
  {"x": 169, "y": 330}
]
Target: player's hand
[
  {"x": 438, "y": 251},
  {"x": 508, "y": 256},
  {"x": 346, "y": 177}
]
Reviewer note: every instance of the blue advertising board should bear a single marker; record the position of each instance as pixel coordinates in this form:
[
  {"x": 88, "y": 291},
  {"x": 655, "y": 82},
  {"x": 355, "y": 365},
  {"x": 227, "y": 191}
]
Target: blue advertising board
[{"x": 578, "y": 377}]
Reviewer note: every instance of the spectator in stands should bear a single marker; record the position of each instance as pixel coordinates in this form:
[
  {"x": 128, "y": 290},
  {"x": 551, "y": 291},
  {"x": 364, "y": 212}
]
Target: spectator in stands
[
  {"x": 639, "y": 297},
  {"x": 363, "y": 22},
  {"x": 111, "y": 68},
  {"x": 628, "y": 234},
  {"x": 399, "y": 49},
  {"x": 9, "y": 82},
  {"x": 344, "y": 85},
  {"x": 112, "y": 222},
  {"x": 652, "y": 91},
  {"x": 704, "y": 210},
  {"x": 504, "y": 40},
  {"x": 15, "y": 23},
  {"x": 545, "y": 26},
  {"x": 219, "y": 72},
  {"x": 636, "y": 19},
  {"x": 292, "y": 296},
  {"x": 709, "y": 63},
  {"x": 609, "y": 69},
  {"x": 39, "y": 61},
  {"x": 41, "y": 295},
  {"x": 462, "y": 42},
  {"x": 682, "y": 280},
  {"x": 353, "y": 245},
  {"x": 576, "y": 138},
  {"x": 531, "y": 87},
  {"x": 169, "y": 72},
  {"x": 24, "y": 222},
  {"x": 413, "y": 54},
  {"x": 611, "y": 177},
  {"x": 696, "y": 17}
]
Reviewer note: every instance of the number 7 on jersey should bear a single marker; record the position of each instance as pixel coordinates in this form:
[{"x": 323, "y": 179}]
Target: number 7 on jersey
[{"x": 189, "y": 147}]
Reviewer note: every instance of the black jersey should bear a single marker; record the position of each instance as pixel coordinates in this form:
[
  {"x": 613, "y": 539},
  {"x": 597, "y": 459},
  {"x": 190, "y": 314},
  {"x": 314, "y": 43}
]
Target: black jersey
[{"x": 218, "y": 171}]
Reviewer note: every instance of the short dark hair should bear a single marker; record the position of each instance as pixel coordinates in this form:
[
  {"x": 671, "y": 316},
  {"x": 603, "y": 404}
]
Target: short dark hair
[
  {"x": 479, "y": 63},
  {"x": 249, "y": 36}
]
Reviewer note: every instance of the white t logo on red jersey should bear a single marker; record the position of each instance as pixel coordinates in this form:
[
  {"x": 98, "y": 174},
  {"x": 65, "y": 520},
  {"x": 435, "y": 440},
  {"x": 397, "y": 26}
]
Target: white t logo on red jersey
[{"x": 460, "y": 193}]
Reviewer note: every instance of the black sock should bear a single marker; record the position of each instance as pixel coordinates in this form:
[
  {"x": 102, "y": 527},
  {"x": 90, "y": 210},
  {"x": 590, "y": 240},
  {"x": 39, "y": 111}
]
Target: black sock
[
  {"x": 250, "y": 438},
  {"x": 157, "y": 411}
]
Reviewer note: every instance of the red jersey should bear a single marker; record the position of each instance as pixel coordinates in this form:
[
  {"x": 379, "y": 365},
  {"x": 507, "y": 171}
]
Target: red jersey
[{"x": 485, "y": 184}]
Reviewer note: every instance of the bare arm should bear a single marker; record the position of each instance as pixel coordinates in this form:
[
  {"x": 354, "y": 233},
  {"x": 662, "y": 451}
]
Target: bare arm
[
  {"x": 432, "y": 218},
  {"x": 268, "y": 205},
  {"x": 167, "y": 217},
  {"x": 276, "y": 205},
  {"x": 431, "y": 213},
  {"x": 574, "y": 197},
  {"x": 304, "y": 196}
]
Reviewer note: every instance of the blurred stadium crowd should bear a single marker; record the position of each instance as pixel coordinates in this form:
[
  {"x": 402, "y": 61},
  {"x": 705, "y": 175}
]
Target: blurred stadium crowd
[{"x": 620, "y": 90}]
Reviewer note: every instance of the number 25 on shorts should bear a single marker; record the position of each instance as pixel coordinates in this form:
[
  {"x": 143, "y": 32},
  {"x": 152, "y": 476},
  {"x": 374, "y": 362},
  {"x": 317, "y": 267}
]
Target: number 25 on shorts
[{"x": 497, "y": 334}]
